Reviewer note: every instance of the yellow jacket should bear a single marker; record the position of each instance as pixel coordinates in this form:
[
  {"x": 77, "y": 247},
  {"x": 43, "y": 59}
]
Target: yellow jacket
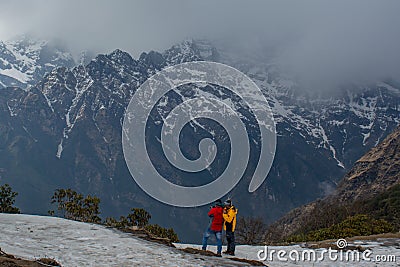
[{"x": 230, "y": 218}]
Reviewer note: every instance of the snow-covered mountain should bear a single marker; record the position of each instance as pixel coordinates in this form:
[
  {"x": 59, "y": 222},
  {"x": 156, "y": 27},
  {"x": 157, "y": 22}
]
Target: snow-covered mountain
[
  {"x": 66, "y": 132},
  {"x": 24, "y": 60}
]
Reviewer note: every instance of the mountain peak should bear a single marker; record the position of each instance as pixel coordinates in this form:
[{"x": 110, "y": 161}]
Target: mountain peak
[
  {"x": 153, "y": 59},
  {"x": 27, "y": 39},
  {"x": 121, "y": 57}
]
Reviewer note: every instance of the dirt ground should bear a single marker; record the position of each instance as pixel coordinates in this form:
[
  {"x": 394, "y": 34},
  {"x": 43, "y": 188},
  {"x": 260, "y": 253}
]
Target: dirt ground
[{"x": 7, "y": 260}]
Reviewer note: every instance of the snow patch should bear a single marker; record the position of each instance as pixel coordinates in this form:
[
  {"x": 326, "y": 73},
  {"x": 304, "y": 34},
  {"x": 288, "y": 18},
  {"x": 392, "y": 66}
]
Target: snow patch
[
  {"x": 389, "y": 87},
  {"x": 60, "y": 149},
  {"x": 11, "y": 110},
  {"x": 366, "y": 136},
  {"x": 16, "y": 74},
  {"x": 48, "y": 102},
  {"x": 331, "y": 148}
]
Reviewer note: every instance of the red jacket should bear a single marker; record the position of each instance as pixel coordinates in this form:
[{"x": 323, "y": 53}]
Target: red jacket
[{"x": 218, "y": 219}]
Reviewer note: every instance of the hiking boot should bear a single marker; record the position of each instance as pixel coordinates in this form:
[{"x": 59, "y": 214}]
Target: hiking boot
[
  {"x": 226, "y": 252},
  {"x": 231, "y": 253},
  {"x": 219, "y": 254}
]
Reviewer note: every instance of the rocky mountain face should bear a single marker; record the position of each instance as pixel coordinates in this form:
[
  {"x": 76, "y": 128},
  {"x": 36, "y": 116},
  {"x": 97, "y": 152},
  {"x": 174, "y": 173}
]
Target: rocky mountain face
[
  {"x": 368, "y": 188},
  {"x": 374, "y": 173},
  {"x": 65, "y": 131}
]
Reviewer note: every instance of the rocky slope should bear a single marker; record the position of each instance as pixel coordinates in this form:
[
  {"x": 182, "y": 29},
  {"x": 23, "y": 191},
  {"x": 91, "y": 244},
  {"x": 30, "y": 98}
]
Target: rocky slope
[
  {"x": 65, "y": 131},
  {"x": 374, "y": 173},
  {"x": 371, "y": 178}
]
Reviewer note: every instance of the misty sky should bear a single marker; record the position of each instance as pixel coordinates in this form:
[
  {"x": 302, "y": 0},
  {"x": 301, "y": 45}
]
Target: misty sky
[{"x": 322, "y": 40}]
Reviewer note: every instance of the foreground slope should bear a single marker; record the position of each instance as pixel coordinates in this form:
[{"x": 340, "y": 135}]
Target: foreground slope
[{"x": 80, "y": 244}]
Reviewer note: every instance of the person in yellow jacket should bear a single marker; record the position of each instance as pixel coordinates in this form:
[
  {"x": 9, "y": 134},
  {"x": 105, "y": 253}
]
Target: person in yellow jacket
[{"x": 229, "y": 215}]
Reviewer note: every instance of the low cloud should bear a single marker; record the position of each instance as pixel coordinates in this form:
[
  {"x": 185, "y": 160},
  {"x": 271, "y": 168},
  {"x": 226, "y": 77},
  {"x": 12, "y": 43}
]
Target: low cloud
[{"x": 320, "y": 42}]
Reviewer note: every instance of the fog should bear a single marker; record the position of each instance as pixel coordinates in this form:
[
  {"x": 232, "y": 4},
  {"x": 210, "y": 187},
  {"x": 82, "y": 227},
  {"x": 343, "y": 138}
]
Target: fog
[{"x": 322, "y": 43}]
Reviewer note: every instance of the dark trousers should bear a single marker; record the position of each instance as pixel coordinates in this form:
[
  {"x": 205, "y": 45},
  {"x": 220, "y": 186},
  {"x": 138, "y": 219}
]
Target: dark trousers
[{"x": 230, "y": 237}]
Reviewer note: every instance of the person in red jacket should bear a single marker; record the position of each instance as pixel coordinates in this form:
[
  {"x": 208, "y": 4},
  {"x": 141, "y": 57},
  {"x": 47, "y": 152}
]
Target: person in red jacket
[{"x": 215, "y": 228}]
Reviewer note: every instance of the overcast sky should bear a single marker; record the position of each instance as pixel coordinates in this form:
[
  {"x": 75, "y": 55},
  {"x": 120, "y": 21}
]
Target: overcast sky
[{"x": 331, "y": 40}]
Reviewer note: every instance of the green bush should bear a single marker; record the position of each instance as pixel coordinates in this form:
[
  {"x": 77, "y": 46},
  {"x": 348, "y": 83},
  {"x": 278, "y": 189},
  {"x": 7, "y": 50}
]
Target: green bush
[
  {"x": 75, "y": 206},
  {"x": 358, "y": 225},
  {"x": 7, "y": 200},
  {"x": 162, "y": 232},
  {"x": 386, "y": 206},
  {"x": 140, "y": 218}
]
